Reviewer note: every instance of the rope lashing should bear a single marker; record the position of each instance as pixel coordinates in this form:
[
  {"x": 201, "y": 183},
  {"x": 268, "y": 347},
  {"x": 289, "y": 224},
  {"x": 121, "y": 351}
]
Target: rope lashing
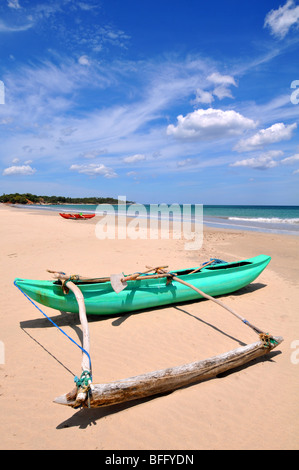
[
  {"x": 45, "y": 315},
  {"x": 73, "y": 277},
  {"x": 267, "y": 339},
  {"x": 84, "y": 381},
  {"x": 84, "y": 387}
]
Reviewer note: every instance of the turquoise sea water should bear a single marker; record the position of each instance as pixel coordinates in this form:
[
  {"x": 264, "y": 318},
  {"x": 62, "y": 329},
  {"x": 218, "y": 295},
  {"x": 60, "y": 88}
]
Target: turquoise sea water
[{"x": 275, "y": 219}]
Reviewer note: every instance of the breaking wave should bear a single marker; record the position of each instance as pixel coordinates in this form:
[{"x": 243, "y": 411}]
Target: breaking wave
[{"x": 270, "y": 220}]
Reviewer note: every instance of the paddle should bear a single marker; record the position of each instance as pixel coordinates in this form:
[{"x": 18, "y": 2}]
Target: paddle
[{"x": 119, "y": 281}]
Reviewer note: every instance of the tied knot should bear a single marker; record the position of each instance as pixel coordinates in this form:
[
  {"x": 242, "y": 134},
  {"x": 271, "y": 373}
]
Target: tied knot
[
  {"x": 267, "y": 339},
  {"x": 83, "y": 383}
]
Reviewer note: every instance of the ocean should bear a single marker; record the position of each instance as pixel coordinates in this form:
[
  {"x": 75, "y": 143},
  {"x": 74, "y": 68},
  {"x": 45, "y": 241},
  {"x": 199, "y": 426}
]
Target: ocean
[{"x": 270, "y": 219}]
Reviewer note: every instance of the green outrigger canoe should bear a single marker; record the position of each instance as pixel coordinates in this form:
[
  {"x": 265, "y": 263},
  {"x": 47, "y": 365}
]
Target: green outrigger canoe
[{"x": 147, "y": 291}]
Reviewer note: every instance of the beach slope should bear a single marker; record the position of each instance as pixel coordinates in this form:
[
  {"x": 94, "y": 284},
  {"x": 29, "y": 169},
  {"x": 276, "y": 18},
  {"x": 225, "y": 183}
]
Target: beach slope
[{"x": 252, "y": 407}]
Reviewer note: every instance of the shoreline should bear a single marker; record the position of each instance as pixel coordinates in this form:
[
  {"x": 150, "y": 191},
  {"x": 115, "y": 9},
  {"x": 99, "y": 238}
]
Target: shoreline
[
  {"x": 228, "y": 223},
  {"x": 228, "y": 412}
]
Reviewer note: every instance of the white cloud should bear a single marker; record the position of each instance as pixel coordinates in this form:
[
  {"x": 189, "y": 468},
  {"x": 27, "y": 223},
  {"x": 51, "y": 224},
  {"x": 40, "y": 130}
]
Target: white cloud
[
  {"x": 291, "y": 160},
  {"x": 4, "y": 28},
  {"x": 186, "y": 162},
  {"x": 267, "y": 160},
  {"x": 93, "y": 153},
  {"x": 135, "y": 158},
  {"x": 94, "y": 169},
  {"x": 223, "y": 82},
  {"x": 295, "y": 172},
  {"x": 44, "y": 92},
  {"x": 219, "y": 79},
  {"x": 19, "y": 170},
  {"x": 202, "y": 96},
  {"x": 86, "y": 6},
  {"x": 123, "y": 128},
  {"x": 281, "y": 20},
  {"x": 271, "y": 135},
  {"x": 221, "y": 90},
  {"x": 13, "y": 4},
  {"x": 208, "y": 124},
  {"x": 84, "y": 60},
  {"x": 263, "y": 162},
  {"x": 6, "y": 121}
]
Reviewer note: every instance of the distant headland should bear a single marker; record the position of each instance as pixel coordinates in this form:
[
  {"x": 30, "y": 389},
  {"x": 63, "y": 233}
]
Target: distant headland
[{"x": 28, "y": 198}]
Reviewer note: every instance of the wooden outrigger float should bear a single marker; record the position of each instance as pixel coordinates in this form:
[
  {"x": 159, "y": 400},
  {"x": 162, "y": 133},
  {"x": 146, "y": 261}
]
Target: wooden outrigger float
[
  {"x": 87, "y": 394},
  {"x": 167, "y": 380}
]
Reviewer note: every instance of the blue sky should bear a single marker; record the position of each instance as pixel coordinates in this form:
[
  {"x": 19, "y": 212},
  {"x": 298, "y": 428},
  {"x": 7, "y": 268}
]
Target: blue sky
[{"x": 160, "y": 101}]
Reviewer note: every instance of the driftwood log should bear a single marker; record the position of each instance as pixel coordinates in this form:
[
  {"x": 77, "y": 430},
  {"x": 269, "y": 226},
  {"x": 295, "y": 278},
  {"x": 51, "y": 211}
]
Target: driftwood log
[{"x": 167, "y": 380}]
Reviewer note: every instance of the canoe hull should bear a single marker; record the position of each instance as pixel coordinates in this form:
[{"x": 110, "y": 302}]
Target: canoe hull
[
  {"x": 100, "y": 298},
  {"x": 76, "y": 216}
]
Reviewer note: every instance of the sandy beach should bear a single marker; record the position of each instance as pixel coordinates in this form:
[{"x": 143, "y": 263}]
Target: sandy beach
[{"x": 254, "y": 407}]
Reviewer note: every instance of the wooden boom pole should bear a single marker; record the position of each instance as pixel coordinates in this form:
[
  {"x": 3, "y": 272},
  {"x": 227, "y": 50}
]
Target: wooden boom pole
[{"x": 82, "y": 391}]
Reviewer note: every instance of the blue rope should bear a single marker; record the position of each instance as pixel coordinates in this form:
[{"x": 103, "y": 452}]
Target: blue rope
[{"x": 80, "y": 347}]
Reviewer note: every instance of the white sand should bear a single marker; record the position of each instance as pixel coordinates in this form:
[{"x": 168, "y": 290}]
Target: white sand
[{"x": 255, "y": 407}]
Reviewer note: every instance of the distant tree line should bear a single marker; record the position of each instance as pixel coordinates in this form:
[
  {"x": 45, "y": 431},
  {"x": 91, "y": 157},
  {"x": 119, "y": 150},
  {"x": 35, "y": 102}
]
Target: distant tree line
[{"x": 29, "y": 198}]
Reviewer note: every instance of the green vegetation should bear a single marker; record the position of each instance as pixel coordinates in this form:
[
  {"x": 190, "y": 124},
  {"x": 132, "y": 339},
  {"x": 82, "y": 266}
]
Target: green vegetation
[{"x": 28, "y": 198}]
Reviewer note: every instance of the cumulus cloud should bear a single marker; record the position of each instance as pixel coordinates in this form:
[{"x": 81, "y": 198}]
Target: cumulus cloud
[
  {"x": 260, "y": 163},
  {"x": 94, "y": 169},
  {"x": 267, "y": 160},
  {"x": 221, "y": 90},
  {"x": 135, "y": 158},
  {"x": 19, "y": 170},
  {"x": 281, "y": 20},
  {"x": 263, "y": 162},
  {"x": 271, "y": 135},
  {"x": 209, "y": 124}
]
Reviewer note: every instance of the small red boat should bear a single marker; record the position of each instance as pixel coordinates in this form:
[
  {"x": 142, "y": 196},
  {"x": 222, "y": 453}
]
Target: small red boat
[{"x": 76, "y": 216}]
